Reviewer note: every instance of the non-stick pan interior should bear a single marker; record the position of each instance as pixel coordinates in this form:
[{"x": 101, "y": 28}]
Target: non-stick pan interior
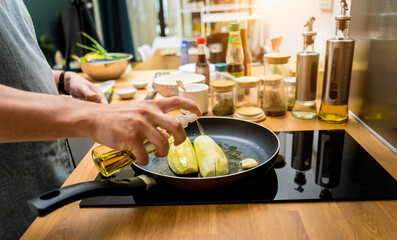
[{"x": 238, "y": 138}]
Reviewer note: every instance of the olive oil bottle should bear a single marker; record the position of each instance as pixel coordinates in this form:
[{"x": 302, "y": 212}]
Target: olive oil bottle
[
  {"x": 337, "y": 72},
  {"x": 306, "y": 76},
  {"x": 109, "y": 161}
]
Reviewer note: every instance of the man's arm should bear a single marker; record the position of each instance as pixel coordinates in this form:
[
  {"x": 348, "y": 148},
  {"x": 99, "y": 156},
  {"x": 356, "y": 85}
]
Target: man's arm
[{"x": 28, "y": 116}]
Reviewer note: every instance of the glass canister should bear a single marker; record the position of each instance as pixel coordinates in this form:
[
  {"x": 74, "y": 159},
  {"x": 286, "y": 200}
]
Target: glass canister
[
  {"x": 277, "y": 63},
  {"x": 274, "y": 95},
  {"x": 247, "y": 92},
  {"x": 222, "y": 97},
  {"x": 220, "y": 70},
  {"x": 247, "y": 99},
  {"x": 290, "y": 83}
]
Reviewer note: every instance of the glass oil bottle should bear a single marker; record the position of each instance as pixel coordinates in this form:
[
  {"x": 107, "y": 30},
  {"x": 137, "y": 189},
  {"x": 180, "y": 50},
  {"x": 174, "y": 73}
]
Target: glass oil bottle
[
  {"x": 305, "y": 106},
  {"x": 109, "y": 161},
  {"x": 337, "y": 72}
]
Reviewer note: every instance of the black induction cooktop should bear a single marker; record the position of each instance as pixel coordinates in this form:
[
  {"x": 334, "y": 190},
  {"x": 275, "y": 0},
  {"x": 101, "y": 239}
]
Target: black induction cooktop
[{"x": 326, "y": 165}]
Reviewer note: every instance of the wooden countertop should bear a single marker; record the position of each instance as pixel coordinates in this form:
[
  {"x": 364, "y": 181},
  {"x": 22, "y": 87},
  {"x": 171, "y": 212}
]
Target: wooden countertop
[{"x": 304, "y": 220}]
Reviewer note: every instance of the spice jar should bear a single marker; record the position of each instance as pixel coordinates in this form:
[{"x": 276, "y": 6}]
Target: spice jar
[
  {"x": 277, "y": 63},
  {"x": 274, "y": 91},
  {"x": 247, "y": 99},
  {"x": 220, "y": 70},
  {"x": 222, "y": 97},
  {"x": 274, "y": 95},
  {"x": 290, "y": 83}
]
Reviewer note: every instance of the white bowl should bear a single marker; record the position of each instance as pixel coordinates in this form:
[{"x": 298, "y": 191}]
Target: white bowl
[
  {"x": 191, "y": 68},
  {"x": 126, "y": 93},
  {"x": 166, "y": 84},
  {"x": 139, "y": 83}
]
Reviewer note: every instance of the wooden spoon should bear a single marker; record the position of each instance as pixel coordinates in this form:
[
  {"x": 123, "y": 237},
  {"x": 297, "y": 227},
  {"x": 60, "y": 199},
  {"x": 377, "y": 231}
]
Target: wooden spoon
[{"x": 180, "y": 84}]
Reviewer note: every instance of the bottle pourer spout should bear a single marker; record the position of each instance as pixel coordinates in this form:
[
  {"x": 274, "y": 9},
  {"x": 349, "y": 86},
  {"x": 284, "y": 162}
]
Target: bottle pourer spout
[
  {"x": 309, "y": 24},
  {"x": 308, "y": 35},
  {"x": 187, "y": 118},
  {"x": 344, "y": 7},
  {"x": 343, "y": 18}
]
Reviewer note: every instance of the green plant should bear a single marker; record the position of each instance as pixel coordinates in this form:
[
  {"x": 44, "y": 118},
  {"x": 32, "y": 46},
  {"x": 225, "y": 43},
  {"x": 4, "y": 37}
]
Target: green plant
[{"x": 95, "y": 47}]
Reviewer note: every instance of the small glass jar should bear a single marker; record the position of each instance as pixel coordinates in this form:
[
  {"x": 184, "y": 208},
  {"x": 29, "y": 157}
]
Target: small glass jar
[
  {"x": 247, "y": 99},
  {"x": 274, "y": 96},
  {"x": 222, "y": 97},
  {"x": 274, "y": 91},
  {"x": 290, "y": 83},
  {"x": 247, "y": 92},
  {"x": 220, "y": 70},
  {"x": 277, "y": 63}
]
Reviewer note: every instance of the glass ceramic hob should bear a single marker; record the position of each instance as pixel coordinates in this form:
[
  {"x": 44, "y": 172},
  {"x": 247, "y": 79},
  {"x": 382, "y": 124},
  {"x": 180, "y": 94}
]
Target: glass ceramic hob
[{"x": 326, "y": 165}]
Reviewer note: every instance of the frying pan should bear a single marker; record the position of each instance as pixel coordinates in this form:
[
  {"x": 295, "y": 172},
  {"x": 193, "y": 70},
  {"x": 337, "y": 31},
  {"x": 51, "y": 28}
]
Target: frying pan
[{"x": 239, "y": 139}]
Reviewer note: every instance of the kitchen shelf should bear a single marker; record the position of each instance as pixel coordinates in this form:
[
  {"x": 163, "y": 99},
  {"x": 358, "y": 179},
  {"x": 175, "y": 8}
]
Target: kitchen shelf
[
  {"x": 212, "y": 13},
  {"x": 228, "y": 17}
]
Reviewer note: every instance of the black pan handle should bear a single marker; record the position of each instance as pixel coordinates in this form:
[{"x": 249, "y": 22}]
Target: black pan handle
[{"x": 54, "y": 199}]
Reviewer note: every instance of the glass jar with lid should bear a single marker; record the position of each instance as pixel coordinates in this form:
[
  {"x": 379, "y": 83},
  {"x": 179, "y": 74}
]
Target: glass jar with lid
[
  {"x": 290, "y": 83},
  {"x": 274, "y": 89},
  {"x": 274, "y": 95},
  {"x": 277, "y": 63},
  {"x": 220, "y": 70},
  {"x": 247, "y": 99},
  {"x": 222, "y": 97}
]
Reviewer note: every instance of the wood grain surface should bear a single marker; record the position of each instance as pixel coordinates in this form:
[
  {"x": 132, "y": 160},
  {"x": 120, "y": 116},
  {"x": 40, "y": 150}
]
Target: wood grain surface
[{"x": 310, "y": 220}]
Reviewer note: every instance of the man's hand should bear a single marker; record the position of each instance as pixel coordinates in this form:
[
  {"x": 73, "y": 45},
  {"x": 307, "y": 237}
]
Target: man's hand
[
  {"x": 81, "y": 88},
  {"x": 126, "y": 126}
]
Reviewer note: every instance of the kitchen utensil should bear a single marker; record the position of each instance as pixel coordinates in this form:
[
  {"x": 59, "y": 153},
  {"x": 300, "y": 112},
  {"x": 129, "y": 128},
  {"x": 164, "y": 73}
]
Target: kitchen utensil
[
  {"x": 180, "y": 84},
  {"x": 255, "y": 141},
  {"x": 139, "y": 83},
  {"x": 106, "y": 85},
  {"x": 167, "y": 86},
  {"x": 104, "y": 70},
  {"x": 99, "y": 60},
  {"x": 151, "y": 94},
  {"x": 109, "y": 94},
  {"x": 198, "y": 93},
  {"x": 126, "y": 93}
]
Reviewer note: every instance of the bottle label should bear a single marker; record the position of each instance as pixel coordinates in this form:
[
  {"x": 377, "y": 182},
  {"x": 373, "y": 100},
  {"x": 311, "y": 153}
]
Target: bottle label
[
  {"x": 247, "y": 69},
  {"x": 237, "y": 74},
  {"x": 204, "y": 71},
  {"x": 234, "y": 40}
]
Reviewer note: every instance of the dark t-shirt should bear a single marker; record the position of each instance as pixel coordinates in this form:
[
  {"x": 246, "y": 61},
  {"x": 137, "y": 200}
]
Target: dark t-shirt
[{"x": 27, "y": 169}]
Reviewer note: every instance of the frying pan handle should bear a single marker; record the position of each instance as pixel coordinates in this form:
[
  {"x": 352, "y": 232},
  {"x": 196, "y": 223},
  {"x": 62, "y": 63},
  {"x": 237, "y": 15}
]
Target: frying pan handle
[{"x": 54, "y": 199}]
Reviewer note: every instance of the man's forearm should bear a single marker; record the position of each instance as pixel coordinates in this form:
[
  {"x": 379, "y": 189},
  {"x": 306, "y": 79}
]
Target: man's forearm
[{"x": 27, "y": 116}]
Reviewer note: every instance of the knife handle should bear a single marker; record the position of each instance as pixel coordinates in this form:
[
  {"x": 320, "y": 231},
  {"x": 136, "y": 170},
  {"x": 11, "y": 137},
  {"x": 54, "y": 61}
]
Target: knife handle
[
  {"x": 151, "y": 95},
  {"x": 109, "y": 94}
]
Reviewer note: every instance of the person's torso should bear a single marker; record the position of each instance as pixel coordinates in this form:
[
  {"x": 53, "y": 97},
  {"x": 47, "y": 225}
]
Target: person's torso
[{"x": 27, "y": 169}]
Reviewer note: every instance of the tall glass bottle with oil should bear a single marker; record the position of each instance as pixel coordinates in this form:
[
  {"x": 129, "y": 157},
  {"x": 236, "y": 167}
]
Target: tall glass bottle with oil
[
  {"x": 337, "y": 72},
  {"x": 306, "y": 76}
]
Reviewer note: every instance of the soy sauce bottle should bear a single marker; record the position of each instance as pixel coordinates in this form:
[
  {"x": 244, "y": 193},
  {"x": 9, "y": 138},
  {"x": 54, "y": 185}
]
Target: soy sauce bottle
[
  {"x": 202, "y": 66},
  {"x": 234, "y": 53}
]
